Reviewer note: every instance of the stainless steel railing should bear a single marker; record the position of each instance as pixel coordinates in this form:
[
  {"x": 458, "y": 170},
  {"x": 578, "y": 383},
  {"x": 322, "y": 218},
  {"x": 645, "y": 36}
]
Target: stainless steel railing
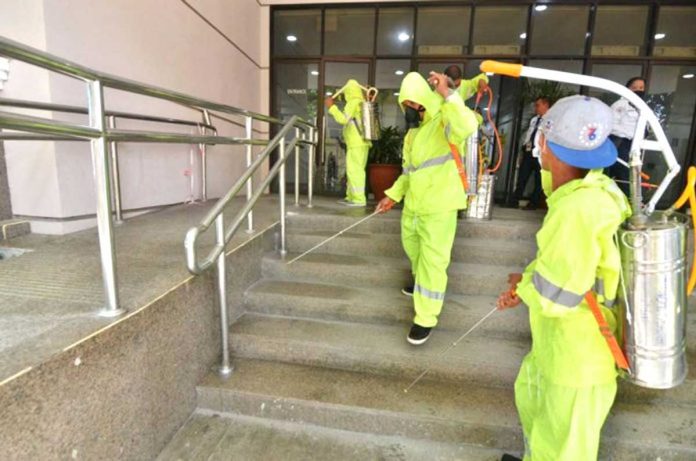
[{"x": 103, "y": 135}]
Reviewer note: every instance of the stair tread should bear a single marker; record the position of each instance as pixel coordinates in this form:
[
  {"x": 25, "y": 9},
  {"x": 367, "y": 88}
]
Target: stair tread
[
  {"x": 251, "y": 439},
  {"x": 380, "y": 263},
  {"x": 366, "y": 235},
  {"x": 385, "y": 304},
  {"x": 378, "y": 348},
  {"x": 290, "y": 390}
]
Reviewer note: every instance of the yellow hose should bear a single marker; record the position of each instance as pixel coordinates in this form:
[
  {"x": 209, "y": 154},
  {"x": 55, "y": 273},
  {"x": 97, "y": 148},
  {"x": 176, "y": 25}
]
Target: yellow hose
[{"x": 690, "y": 195}]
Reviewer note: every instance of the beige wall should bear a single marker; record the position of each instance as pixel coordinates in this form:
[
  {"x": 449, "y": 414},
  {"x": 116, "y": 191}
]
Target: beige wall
[{"x": 159, "y": 42}]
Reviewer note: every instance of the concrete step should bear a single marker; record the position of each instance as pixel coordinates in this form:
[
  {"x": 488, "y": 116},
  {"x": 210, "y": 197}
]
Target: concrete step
[
  {"x": 487, "y": 357},
  {"x": 11, "y": 228},
  {"x": 377, "y": 305},
  {"x": 470, "y": 250},
  {"x": 370, "y": 271},
  {"x": 215, "y": 436},
  {"x": 380, "y": 349},
  {"x": 336, "y": 220},
  {"x": 432, "y": 411}
]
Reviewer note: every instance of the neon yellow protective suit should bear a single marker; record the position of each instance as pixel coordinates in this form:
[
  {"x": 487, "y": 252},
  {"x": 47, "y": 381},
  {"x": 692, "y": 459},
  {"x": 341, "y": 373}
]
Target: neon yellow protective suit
[
  {"x": 357, "y": 147},
  {"x": 432, "y": 190},
  {"x": 567, "y": 383}
]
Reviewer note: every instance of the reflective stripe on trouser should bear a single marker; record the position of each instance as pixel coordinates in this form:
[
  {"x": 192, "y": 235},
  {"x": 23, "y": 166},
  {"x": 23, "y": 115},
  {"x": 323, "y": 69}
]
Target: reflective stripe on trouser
[
  {"x": 428, "y": 240},
  {"x": 356, "y": 160},
  {"x": 560, "y": 423}
]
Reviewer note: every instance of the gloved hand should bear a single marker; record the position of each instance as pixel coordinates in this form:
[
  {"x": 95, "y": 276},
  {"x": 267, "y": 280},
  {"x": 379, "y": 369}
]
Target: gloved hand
[
  {"x": 385, "y": 205},
  {"x": 507, "y": 300},
  {"x": 328, "y": 102}
]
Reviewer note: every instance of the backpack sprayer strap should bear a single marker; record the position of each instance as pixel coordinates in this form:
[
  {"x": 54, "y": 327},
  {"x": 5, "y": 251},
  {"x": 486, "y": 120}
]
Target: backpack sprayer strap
[{"x": 604, "y": 329}]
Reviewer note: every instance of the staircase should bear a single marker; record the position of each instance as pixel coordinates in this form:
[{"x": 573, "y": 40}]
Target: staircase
[{"x": 321, "y": 358}]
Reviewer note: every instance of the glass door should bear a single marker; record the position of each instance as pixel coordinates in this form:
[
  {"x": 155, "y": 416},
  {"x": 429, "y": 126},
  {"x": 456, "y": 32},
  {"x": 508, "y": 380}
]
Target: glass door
[{"x": 296, "y": 92}]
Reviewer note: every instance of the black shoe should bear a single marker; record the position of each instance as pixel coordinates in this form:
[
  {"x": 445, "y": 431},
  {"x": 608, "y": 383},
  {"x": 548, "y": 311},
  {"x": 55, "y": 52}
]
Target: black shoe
[
  {"x": 507, "y": 457},
  {"x": 408, "y": 291},
  {"x": 418, "y": 335}
]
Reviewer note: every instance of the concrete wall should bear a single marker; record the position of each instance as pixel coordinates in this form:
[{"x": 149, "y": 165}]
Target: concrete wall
[
  {"x": 199, "y": 47},
  {"x": 123, "y": 393}
]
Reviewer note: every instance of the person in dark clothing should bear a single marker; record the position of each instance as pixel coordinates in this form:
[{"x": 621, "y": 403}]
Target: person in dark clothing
[{"x": 529, "y": 165}]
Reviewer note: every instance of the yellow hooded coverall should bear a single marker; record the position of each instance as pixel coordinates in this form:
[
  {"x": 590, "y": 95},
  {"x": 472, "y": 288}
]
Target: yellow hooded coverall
[
  {"x": 567, "y": 383},
  {"x": 357, "y": 147},
  {"x": 432, "y": 190}
]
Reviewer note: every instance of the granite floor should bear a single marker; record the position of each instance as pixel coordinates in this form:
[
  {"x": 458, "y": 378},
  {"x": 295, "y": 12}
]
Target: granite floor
[{"x": 50, "y": 295}]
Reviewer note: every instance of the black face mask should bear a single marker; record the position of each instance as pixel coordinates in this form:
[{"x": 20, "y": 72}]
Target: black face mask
[
  {"x": 641, "y": 94},
  {"x": 412, "y": 117}
]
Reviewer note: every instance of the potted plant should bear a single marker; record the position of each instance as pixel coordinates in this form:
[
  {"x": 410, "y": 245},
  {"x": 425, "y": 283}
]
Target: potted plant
[{"x": 384, "y": 161}]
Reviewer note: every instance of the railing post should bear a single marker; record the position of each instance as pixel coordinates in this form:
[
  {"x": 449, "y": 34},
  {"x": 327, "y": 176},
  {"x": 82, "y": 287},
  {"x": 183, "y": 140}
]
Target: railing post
[
  {"x": 204, "y": 161},
  {"x": 100, "y": 166},
  {"x": 250, "y": 184},
  {"x": 310, "y": 166},
  {"x": 281, "y": 191},
  {"x": 225, "y": 368},
  {"x": 115, "y": 175},
  {"x": 298, "y": 147}
]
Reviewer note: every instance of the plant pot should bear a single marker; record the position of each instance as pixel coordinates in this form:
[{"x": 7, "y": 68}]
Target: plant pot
[{"x": 382, "y": 177}]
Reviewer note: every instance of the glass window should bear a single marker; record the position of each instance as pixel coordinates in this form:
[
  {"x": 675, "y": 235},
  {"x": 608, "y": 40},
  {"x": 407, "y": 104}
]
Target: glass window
[
  {"x": 500, "y": 29},
  {"x": 295, "y": 93},
  {"x": 390, "y": 73},
  {"x": 620, "y": 31},
  {"x": 349, "y": 31},
  {"x": 675, "y": 35},
  {"x": 554, "y": 90},
  {"x": 443, "y": 30},
  {"x": 559, "y": 30},
  {"x": 297, "y": 33},
  {"x": 334, "y": 162},
  {"x": 619, "y": 73},
  {"x": 672, "y": 96},
  {"x": 395, "y": 31}
]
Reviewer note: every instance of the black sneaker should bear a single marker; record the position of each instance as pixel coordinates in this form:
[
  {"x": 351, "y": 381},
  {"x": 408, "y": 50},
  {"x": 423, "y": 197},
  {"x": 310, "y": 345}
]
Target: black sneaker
[
  {"x": 408, "y": 291},
  {"x": 507, "y": 457},
  {"x": 418, "y": 335}
]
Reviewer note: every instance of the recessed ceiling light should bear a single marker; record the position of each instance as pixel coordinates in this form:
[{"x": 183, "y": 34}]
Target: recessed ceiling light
[
  {"x": 660, "y": 36},
  {"x": 523, "y": 35},
  {"x": 314, "y": 72},
  {"x": 291, "y": 38},
  {"x": 687, "y": 76},
  {"x": 403, "y": 36},
  {"x": 399, "y": 72},
  {"x": 396, "y": 93},
  {"x": 328, "y": 93},
  {"x": 489, "y": 73},
  {"x": 541, "y": 7}
]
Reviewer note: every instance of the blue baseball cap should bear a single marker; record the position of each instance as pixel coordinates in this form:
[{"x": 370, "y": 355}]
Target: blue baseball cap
[{"x": 577, "y": 130}]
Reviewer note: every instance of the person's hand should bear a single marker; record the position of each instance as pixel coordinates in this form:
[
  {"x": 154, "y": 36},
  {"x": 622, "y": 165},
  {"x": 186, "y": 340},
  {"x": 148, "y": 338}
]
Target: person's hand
[
  {"x": 508, "y": 300},
  {"x": 328, "y": 102},
  {"x": 514, "y": 279},
  {"x": 482, "y": 86},
  {"x": 385, "y": 205},
  {"x": 439, "y": 82}
]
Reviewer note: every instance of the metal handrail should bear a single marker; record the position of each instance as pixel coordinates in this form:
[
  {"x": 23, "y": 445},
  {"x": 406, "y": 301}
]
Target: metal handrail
[
  {"x": 192, "y": 235},
  {"x": 104, "y": 136},
  {"x": 216, "y": 256},
  {"x": 36, "y": 105}
]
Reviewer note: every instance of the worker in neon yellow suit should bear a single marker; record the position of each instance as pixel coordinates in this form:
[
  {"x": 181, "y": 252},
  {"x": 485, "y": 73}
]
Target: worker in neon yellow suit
[
  {"x": 431, "y": 189},
  {"x": 567, "y": 383},
  {"x": 357, "y": 147}
]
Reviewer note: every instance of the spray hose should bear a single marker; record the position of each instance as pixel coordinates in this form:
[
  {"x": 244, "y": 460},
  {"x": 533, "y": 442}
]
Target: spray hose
[
  {"x": 489, "y": 92},
  {"x": 690, "y": 195}
]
